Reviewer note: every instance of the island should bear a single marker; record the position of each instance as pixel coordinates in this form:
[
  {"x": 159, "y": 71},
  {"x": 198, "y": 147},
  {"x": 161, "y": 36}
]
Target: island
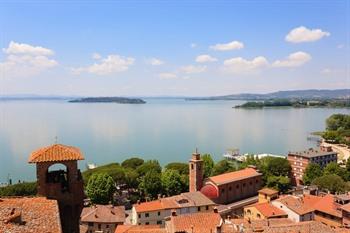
[
  {"x": 329, "y": 103},
  {"x": 119, "y": 100}
]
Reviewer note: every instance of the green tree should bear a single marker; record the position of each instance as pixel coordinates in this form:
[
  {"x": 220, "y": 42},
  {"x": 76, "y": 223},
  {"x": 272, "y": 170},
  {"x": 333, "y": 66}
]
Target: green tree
[
  {"x": 208, "y": 165},
  {"x": 334, "y": 168},
  {"x": 223, "y": 166},
  {"x": 148, "y": 166},
  {"x": 20, "y": 189},
  {"x": 332, "y": 183},
  {"x": 172, "y": 182},
  {"x": 182, "y": 168},
  {"x": 277, "y": 166},
  {"x": 338, "y": 122},
  {"x": 151, "y": 184},
  {"x": 131, "y": 178},
  {"x": 280, "y": 183},
  {"x": 100, "y": 188},
  {"x": 132, "y": 163},
  {"x": 312, "y": 171}
]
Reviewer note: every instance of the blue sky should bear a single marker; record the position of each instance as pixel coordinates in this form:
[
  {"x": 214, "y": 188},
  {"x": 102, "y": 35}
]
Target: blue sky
[{"x": 152, "y": 48}]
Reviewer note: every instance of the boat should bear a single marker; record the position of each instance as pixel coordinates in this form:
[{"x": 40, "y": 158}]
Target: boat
[{"x": 231, "y": 154}]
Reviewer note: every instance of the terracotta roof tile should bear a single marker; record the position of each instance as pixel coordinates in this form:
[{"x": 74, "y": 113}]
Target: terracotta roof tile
[
  {"x": 140, "y": 229},
  {"x": 300, "y": 205},
  {"x": 236, "y": 175},
  {"x": 103, "y": 214},
  {"x": 175, "y": 202},
  {"x": 268, "y": 210},
  {"x": 327, "y": 205},
  {"x": 54, "y": 153},
  {"x": 22, "y": 215},
  {"x": 268, "y": 191},
  {"x": 196, "y": 222}
]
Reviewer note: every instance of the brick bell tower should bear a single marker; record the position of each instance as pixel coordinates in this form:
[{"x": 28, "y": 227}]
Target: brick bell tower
[
  {"x": 196, "y": 172},
  {"x": 64, "y": 185}
]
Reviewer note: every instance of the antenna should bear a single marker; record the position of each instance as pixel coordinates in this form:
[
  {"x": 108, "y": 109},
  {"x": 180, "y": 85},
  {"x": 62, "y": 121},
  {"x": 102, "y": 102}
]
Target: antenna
[{"x": 196, "y": 150}]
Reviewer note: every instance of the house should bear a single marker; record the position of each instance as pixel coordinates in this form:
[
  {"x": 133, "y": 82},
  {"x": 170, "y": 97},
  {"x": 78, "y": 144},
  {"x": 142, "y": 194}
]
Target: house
[
  {"x": 102, "y": 218},
  {"x": 298, "y": 208},
  {"x": 140, "y": 229},
  {"x": 328, "y": 211},
  {"x": 225, "y": 188},
  {"x": 205, "y": 222},
  {"x": 267, "y": 195},
  {"x": 300, "y": 160},
  {"x": 154, "y": 212},
  {"x": 263, "y": 210},
  {"x": 36, "y": 214},
  {"x": 346, "y": 215}
]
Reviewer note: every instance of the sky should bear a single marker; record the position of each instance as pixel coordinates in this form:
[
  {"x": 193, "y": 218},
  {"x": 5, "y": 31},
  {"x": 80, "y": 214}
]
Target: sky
[{"x": 172, "y": 48}]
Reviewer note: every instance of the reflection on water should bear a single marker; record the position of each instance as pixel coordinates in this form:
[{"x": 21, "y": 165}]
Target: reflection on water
[{"x": 167, "y": 130}]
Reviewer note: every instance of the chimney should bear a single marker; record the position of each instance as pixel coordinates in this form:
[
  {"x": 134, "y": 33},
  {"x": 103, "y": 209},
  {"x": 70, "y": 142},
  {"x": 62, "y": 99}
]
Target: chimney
[
  {"x": 215, "y": 210},
  {"x": 173, "y": 212}
]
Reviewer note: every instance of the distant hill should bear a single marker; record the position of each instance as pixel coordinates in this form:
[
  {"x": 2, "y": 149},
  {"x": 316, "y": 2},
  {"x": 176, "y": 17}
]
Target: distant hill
[
  {"x": 293, "y": 94},
  {"x": 119, "y": 100}
]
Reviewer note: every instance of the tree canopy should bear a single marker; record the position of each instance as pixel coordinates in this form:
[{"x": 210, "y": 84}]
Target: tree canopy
[
  {"x": 312, "y": 171},
  {"x": 172, "y": 182},
  {"x": 182, "y": 168},
  {"x": 132, "y": 163},
  {"x": 223, "y": 166},
  {"x": 100, "y": 188},
  {"x": 208, "y": 165},
  {"x": 151, "y": 184},
  {"x": 20, "y": 189},
  {"x": 148, "y": 166},
  {"x": 332, "y": 183}
]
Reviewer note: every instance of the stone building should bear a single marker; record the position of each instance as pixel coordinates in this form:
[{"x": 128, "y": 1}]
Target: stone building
[{"x": 64, "y": 185}]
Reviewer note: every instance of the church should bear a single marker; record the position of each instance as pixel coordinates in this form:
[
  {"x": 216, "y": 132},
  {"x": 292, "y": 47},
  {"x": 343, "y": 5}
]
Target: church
[{"x": 225, "y": 188}]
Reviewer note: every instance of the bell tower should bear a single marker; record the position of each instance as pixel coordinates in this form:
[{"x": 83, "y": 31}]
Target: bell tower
[
  {"x": 64, "y": 185},
  {"x": 196, "y": 172}
]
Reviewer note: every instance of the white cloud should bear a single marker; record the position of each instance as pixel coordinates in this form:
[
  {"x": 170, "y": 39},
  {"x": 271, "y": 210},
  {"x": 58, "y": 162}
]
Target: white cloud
[
  {"x": 303, "y": 34},
  {"x": 205, "y": 58},
  {"x": 191, "y": 69},
  {"x": 155, "y": 61},
  {"x": 96, "y": 56},
  {"x": 193, "y": 45},
  {"x": 228, "y": 46},
  {"x": 111, "y": 64},
  {"x": 293, "y": 60},
  {"x": 240, "y": 65},
  {"x": 26, "y": 60},
  {"x": 167, "y": 76},
  {"x": 340, "y": 46},
  {"x": 17, "y": 48}
]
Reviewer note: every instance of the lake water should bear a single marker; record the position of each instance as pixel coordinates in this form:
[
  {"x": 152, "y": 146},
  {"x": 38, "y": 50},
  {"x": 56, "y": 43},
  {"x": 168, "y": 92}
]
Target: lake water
[{"x": 164, "y": 129}]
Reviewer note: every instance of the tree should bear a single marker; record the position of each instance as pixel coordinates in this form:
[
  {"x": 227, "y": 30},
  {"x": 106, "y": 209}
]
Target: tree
[
  {"x": 312, "y": 171},
  {"x": 151, "y": 184},
  {"x": 208, "y": 165},
  {"x": 338, "y": 122},
  {"x": 132, "y": 163},
  {"x": 334, "y": 168},
  {"x": 280, "y": 183},
  {"x": 100, "y": 188},
  {"x": 172, "y": 182},
  {"x": 332, "y": 183},
  {"x": 182, "y": 168},
  {"x": 223, "y": 166},
  {"x": 277, "y": 166},
  {"x": 131, "y": 178},
  {"x": 20, "y": 189},
  {"x": 148, "y": 166}
]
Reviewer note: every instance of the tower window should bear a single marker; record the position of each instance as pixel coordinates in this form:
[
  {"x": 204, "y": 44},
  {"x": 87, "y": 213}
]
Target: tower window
[{"x": 192, "y": 166}]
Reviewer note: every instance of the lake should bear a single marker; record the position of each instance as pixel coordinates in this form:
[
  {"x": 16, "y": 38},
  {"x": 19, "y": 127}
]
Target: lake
[{"x": 164, "y": 129}]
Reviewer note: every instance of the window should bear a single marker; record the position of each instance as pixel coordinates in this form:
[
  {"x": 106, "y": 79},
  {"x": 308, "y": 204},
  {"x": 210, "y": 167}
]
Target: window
[
  {"x": 107, "y": 226},
  {"x": 243, "y": 184},
  {"x": 207, "y": 207},
  {"x": 139, "y": 215},
  {"x": 223, "y": 190},
  {"x": 158, "y": 213},
  {"x": 147, "y": 223},
  {"x": 258, "y": 216},
  {"x": 146, "y": 215},
  {"x": 192, "y": 166},
  {"x": 159, "y": 222},
  {"x": 229, "y": 188},
  {"x": 237, "y": 186},
  {"x": 250, "y": 183},
  {"x": 256, "y": 181},
  {"x": 99, "y": 226},
  {"x": 91, "y": 224},
  {"x": 199, "y": 208}
]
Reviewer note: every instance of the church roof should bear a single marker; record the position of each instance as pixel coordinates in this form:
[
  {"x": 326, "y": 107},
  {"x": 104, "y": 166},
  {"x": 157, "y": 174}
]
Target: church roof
[
  {"x": 234, "y": 176},
  {"x": 55, "y": 153}
]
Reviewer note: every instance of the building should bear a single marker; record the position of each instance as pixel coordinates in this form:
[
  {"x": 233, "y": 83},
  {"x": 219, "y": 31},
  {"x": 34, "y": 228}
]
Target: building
[
  {"x": 154, "y": 212},
  {"x": 233, "y": 186},
  {"x": 267, "y": 195},
  {"x": 140, "y": 229},
  {"x": 64, "y": 184},
  {"x": 346, "y": 215},
  {"x": 263, "y": 210},
  {"x": 300, "y": 160},
  {"x": 298, "y": 208},
  {"x": 328, "y": 211},
  {"x": 196, "y": 168},
  {"x": 102, "y": 218},
  {"x": 37, "y": 214}
]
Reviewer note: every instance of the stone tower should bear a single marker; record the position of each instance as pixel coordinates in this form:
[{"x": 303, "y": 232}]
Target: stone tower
[
  {"x": 196, "y": 172},
  {"x": 64, "y": 185}
]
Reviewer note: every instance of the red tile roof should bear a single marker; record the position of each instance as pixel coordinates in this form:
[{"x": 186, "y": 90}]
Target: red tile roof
[
  {"x": 22, "y": 215},
  {"x": 300, "y": 205},
  {"x": 55, "y": 153},
  {"x": 233, "y": 176},
  {"x": 103, "y": 214},
  {"x": 195, "y": 223},
  {"x": 189, "y": 199},
  {"x": 268, "y": 210},
  {"x": 140, "y": 229},
  {"x": 268, "y": 191},
  {"x": 327, "y": 205}
]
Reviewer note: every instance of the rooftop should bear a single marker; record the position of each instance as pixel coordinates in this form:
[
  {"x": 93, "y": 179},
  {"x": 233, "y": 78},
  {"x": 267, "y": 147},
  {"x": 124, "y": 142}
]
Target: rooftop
[
  {"x": 182, "y": 200},
  {"x": 268, "y": 191},
  {"x": 194, "y": 223},
  {"x": 329, "y": 206},
  {"x": 312, "y": 152},
  {"x": 300, "y": 205},
  {"x": 37, "y": 214},
  {"x": 234, "y": 176},
  {"x": 103, "y": 214},
  {"x": 268, "y": 210},
  {"x": 55, "y": 153},
  {"x": 140, "y": 229}
]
